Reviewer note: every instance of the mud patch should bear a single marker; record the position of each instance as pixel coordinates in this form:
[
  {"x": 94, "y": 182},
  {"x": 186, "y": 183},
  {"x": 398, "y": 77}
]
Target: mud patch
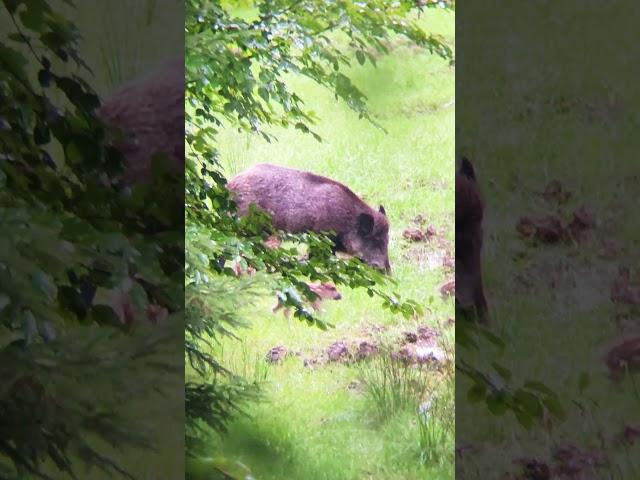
[
  {"x": 553, "y": 229},
  {"x": 448, "y": 288},
  {"x": 415, "y": 234},
  {"x": 566, "y": 463},
  {"x": 426, "y": 247},
  {"x": 630, "y": 435},
  {"x": 278, "y": 354},
  {"x": 416, "y": 347},
  {"x": 425, "y": 259},
  {"x": 623, "y": 290},
  {"x": 623, "y": 357}
]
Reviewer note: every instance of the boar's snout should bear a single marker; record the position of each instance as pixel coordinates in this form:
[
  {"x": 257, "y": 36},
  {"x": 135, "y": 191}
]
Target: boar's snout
[{"x": 382, "y": 266}]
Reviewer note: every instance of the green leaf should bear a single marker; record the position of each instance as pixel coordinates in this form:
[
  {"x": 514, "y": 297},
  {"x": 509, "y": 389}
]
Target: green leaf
[
  {"x": 505, "y": 373},
  {"x": 264, "y": 93},
  {"x": 524, "y": 419},
  {"x": 555, "y": 407},
  {"x": 538, "y": 386},
  {"x": 497, "y": 404},
  {"x": 529, "y": 403},
  {"x": 476, "y": 393},
  {"x": 73, "y": 154},
  {"x": 14, "y": 63},
  {"x": 33, "y": 16}
]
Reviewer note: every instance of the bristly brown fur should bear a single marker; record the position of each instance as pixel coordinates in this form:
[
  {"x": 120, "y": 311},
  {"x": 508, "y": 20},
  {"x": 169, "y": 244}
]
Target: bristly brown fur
[{"x": 300, "y": 201}]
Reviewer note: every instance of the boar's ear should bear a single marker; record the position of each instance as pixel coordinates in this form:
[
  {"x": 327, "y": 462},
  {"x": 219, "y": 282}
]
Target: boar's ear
[
  {"x": 466, "y": 168},
  {"x": 382, "y": 211},
  {"x": 365, "y": 224}
]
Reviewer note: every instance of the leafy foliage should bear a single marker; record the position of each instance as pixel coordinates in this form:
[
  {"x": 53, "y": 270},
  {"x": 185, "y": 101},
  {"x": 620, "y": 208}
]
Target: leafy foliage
[
  {"x": 70, "y": 226},
  {"x": 494, "y": 384}
]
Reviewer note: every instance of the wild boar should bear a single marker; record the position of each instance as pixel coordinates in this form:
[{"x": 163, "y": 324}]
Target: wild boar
[
  {"x": 324, "y": 291},
  {"x": 145, "y": 117},
  {"x": 300, "y": 201},
  {"x": 469, "y": 236}
]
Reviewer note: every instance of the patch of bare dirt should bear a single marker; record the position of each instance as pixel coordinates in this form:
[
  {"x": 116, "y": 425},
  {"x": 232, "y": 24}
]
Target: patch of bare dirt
[
  {"x": 366, "y": 349},
  {"x": 448, "y": 288},
  {"x": 426, "y": 246},
  {"x": 552, "y": 228},
  {"x": 338, "y": 351},
  {"x": 448, "y": 262},
  {"x": 533, "y": 469},
  {"x": 610, "y": 249},
  {"x": 420, "y": 354},
  {"x": 623, "y": 357},
  {"x": 279, "y": 353},
  {"x": 420, "y": 347},
  {"x": 629, "y": 435},
  {"x": 417, "y": 234},
  {"x": 568, "y": 463},
  {"x": 623, "y": 290},
  {"x": 572, "y": 462},
  {"x": 416, "y": 347}
]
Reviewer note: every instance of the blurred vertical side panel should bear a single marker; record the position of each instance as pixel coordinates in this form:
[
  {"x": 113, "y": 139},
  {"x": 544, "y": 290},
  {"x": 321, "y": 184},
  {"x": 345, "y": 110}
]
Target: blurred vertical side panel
[
  {"x": 92, "y": 244},
  {"x": 547, "y": 264}
]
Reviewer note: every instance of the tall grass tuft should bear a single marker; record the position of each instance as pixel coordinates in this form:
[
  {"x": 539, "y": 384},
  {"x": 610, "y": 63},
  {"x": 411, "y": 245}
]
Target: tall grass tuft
[
  {"x": 392, "y": 385},
  {"x": 436, "y": 422},
  {"x": 122, "y": 35}
]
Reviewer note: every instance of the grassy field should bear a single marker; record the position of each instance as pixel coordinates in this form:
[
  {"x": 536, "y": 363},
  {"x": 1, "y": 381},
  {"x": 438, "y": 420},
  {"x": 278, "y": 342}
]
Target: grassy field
[
  {"x": 319, "y": 423},
  {"x": 573, "y": 119}
]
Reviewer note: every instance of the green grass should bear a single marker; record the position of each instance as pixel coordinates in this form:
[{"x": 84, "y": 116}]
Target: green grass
[
  {"x": 312, "y": 425},
  {"x": 557, "y": 326}
]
